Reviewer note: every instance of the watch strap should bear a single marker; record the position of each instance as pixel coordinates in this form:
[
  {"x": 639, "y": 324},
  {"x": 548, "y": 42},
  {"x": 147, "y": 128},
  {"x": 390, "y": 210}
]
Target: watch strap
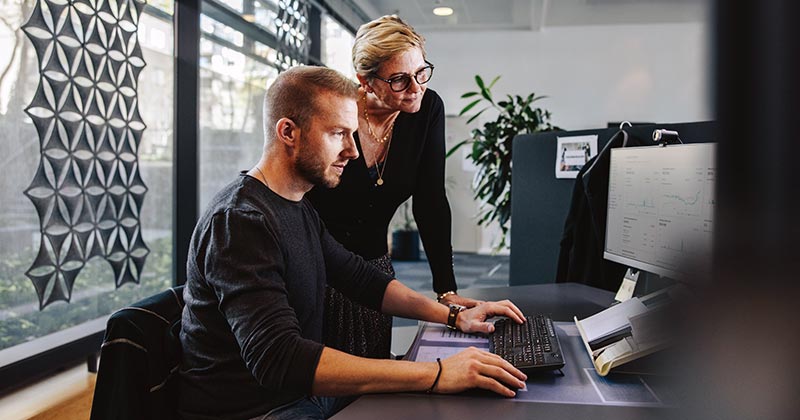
[{"x": 453, "y": 315}]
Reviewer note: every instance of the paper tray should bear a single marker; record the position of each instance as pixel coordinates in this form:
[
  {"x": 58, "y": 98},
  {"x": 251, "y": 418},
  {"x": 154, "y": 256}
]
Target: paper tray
[{"x": 619, "y": 353}]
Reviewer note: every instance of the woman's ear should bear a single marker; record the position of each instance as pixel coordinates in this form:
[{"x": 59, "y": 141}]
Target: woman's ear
[{"x": 364, "y": 82}]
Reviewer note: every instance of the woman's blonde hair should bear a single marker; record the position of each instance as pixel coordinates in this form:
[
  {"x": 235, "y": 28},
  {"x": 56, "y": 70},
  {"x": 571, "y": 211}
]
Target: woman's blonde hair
[{"x": 381, "y": 39}]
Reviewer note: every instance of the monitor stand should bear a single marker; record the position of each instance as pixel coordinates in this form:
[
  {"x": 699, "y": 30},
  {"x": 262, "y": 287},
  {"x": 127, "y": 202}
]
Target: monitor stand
[{"x": 628, "y": 285}]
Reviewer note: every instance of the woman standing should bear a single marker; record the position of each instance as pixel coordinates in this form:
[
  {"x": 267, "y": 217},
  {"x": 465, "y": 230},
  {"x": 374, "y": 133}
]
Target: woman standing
[{"x": 401, "y": 144}]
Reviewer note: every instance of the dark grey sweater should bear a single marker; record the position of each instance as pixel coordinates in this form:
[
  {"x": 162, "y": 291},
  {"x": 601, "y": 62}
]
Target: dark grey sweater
[{"x": 252, "y": 325}]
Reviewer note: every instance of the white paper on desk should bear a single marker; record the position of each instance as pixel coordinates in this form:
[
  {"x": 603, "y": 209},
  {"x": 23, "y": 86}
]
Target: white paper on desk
[
  {"x": 612, "y": 319},
  {"x": 431, "y": 353},
  {"x": 442, "y": 334}
]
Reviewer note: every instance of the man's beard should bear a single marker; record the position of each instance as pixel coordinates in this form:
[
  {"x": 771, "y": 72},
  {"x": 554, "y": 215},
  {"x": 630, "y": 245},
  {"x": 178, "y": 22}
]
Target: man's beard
[{"x": 310, "y": 168}]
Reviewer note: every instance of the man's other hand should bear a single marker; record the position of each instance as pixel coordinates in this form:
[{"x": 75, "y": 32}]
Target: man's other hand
[{"x": 473, "y": 368}]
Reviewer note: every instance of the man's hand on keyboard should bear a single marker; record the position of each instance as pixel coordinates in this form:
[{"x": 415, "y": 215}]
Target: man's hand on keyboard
[
  {"x": 473, "y": 368},
  {"x": 474, "y": 319}
]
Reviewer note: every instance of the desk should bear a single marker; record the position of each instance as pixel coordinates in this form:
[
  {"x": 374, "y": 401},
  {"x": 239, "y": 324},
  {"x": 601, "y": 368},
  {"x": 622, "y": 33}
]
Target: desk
[{"x": 562, "y": 301}]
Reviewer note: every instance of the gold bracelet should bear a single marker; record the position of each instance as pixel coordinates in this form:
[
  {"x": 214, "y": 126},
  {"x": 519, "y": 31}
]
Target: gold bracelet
[{"x": 441, "y": 296}]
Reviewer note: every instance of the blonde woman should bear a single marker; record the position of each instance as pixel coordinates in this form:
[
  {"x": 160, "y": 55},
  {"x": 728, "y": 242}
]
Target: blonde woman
[{"x": 401, "y": 147}]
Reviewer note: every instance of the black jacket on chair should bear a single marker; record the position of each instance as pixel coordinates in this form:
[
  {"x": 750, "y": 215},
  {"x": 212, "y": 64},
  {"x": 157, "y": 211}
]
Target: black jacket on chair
[
  {"x": 138, "y": 359},
  {"x": 580, "y": 258}
]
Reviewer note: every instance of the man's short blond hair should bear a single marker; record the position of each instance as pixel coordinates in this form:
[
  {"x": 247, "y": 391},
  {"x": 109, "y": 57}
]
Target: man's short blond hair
[
  {"x": 294, "y": 95},
  {"x": 381, "y": 39}
]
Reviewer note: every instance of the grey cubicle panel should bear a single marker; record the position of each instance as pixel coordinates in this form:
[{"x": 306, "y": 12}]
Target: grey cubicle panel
[
  {"x": 539, "y": 205},
  {"x": 540, "y": 202}
]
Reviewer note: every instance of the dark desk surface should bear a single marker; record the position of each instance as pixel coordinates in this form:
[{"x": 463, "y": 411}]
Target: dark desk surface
[
  {"x": 458, "y": 407},
  {"x": 562, "y": 301}
]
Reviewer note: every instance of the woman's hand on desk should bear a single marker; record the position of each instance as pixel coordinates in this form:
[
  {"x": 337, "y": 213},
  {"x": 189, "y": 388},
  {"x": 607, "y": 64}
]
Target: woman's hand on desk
[
  {"x": 473, "y": 368},
  {"x": 473, "y": 320}
]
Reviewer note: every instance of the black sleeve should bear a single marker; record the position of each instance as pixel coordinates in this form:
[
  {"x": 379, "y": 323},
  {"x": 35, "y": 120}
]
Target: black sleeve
[
  {"x": 244, "y": 266},
  {"x": 351, "y": 275},
  {"x": 431, "y": 208}
]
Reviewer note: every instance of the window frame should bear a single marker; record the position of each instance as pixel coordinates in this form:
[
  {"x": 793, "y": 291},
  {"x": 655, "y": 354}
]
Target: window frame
[{"x": 187, "y": 34}]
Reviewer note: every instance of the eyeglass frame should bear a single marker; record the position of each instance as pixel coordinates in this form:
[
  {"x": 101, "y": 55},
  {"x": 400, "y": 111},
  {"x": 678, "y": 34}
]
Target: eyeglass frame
[{"x": 429, "y": 65}]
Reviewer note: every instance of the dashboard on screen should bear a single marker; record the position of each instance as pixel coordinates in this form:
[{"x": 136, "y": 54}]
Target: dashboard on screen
[{"x": 661, "y": 208}]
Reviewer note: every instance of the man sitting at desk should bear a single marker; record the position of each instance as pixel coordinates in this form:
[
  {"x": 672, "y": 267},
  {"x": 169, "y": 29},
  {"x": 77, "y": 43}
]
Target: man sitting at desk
[{"x": 258, "y": 263}]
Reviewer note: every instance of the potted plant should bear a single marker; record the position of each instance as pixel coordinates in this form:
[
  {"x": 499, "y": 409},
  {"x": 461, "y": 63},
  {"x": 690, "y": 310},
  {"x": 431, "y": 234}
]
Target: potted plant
[
  {"x": 405, "y": 238},
  {"x": 491, "y": 149}
]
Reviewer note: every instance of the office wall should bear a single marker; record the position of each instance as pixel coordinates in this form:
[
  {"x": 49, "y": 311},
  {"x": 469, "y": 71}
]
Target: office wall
[{"x": 592, "y": 75}]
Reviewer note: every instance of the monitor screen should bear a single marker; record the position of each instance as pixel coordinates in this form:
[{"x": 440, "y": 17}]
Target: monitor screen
[{"x": 661, "y": 208}]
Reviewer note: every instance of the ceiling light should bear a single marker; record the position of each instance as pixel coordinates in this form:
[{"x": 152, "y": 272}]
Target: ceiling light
[{"x": 442, "y": 11}]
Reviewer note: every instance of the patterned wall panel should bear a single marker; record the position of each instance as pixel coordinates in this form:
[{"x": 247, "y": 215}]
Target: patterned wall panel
[
  {"x": 87, "y": 190},
  {"x": 293, "y": 42}
]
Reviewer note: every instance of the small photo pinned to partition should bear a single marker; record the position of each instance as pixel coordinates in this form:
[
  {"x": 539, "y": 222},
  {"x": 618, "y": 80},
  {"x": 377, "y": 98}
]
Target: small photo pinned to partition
[{"x": 572, "y": 153}]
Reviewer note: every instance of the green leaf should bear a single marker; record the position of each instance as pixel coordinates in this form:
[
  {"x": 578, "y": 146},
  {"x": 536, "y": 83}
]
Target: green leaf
[
  {"x": 456, "y": 147},
  {"x": 494, "y": 81},
  {"x": 479, "y": 81},
  {"x": 468, "y": 107},
  {"x": 471, "y": 119},
  {"x": 469, "y": 94},
  {"x": 539, "y": 97},
  {"x": 487, "y": 94}
]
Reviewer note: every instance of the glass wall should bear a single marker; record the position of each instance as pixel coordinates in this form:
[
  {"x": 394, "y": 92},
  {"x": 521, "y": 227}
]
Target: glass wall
[
  {"x": 337, "y": 46},
  {"x": 94, "y": 295},
  {"x": 235, "y": 71},
  {"x": 242, "y": 44}
]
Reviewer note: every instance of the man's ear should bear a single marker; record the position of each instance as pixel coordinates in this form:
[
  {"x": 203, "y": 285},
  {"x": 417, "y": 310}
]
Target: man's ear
[{"x": 287, "y": 132}]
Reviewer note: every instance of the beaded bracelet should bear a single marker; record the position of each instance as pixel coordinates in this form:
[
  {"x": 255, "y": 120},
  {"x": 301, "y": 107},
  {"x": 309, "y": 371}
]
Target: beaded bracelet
[
  {"x": 441, "y": 296},
  {"x": 438, "y": 375}
]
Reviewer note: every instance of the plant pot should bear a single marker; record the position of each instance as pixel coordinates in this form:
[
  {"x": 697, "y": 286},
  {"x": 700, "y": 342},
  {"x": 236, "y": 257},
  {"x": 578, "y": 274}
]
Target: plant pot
[{"x": 405, "y": 245}]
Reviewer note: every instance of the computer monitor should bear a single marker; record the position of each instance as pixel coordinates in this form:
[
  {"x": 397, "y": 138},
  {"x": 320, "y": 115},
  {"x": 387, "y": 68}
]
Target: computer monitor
[{"x": 661, "y": 208}]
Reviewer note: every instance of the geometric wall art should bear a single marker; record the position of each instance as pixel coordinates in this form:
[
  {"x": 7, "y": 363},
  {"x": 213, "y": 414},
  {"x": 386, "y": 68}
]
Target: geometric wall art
[
  {"x": 292, "y": 32},
  {"x": 87, "y": 190}
]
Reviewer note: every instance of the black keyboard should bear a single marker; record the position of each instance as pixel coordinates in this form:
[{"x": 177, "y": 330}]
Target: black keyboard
[{"x": 530, "y": 347}]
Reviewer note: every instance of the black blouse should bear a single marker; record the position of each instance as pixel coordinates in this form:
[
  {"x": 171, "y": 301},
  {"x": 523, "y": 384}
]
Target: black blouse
[{"x": 357, "y": 212}]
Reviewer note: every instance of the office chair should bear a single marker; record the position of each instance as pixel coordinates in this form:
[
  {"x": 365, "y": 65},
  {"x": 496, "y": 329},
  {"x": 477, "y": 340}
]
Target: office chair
[{"x": 138, "y": 360}]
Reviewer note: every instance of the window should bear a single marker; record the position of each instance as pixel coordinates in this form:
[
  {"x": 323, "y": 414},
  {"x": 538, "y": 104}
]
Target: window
[
  {"x": 242, "y": 44},
  {"x": 337, "y": 47},
  {"x": 235, "y": 71},
  {"x": 24, "y": 328}
]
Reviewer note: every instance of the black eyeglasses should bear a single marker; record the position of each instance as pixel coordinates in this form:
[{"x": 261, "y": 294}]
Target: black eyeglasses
[{"x": 403, "y": 81}]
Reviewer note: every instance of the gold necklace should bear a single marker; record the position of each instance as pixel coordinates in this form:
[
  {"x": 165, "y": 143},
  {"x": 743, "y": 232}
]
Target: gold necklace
[
  {"x": 372, "y": 134},
  {"x": 262, "y": 176},
  {"x": 380, "y": 170}
]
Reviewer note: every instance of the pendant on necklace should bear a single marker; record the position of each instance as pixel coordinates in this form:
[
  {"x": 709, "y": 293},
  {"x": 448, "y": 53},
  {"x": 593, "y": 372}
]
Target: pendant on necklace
[{"x": 379, "y": 182}]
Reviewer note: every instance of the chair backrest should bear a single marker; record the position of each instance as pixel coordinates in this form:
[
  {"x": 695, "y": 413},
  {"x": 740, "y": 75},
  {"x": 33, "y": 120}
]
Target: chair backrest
[{"x": 138, "y": 360}]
